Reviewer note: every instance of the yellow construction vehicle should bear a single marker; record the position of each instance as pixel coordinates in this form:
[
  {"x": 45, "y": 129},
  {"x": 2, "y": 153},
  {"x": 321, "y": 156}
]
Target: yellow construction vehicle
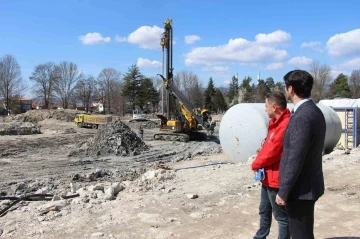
[
  {"x": 183, "y": 120},
  {"x": 93, "y": 121}
]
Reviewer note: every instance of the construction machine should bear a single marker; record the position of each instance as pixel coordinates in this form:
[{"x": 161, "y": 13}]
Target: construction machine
[
  {"x": 183, "y": 121},
  {"x": 93, "y": 121}
]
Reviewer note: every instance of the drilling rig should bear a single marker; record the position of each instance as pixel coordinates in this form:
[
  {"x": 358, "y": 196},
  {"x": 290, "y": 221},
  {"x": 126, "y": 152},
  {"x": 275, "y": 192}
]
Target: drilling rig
[{"x": 183, "y": 121}]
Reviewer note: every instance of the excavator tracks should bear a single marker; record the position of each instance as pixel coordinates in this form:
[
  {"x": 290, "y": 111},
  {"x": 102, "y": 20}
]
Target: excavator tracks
[
  {"x": 172, "y": 137},
  {"x": 197, "y": 136}
]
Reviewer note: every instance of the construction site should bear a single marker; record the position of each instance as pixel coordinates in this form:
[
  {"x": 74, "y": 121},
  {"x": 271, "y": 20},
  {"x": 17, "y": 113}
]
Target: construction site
[{"x": 184, "y": 173}]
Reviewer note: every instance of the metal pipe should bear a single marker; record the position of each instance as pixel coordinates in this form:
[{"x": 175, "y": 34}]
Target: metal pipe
[
  {"x": 244, "y": 126},
  {"x": 162, "y": 85}
]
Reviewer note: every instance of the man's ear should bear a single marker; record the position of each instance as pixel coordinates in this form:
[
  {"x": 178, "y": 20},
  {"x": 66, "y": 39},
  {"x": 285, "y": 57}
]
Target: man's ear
[{"x": 290, "y": 89}]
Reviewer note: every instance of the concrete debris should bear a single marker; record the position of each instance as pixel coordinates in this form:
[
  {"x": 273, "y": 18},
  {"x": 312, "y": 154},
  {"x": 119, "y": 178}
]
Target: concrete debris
[
  {"x": 115, "y": 138},
  {"x": 19, "y": 128},
  {"x": 69, "y": 131},
  {"x": 99, "y": 191},
  {"x": 152, "y": 178},
  {"x": 53, "y": 206},
  {"x": 38, "y": 186}
]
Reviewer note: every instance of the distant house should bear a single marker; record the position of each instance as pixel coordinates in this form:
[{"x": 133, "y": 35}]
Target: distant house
[
  {"x": 99, "y": 106},
  {"x": 16, "y": 105},
  {"x": 92, "y": 107},
  {"x": 25, "y": 104}
]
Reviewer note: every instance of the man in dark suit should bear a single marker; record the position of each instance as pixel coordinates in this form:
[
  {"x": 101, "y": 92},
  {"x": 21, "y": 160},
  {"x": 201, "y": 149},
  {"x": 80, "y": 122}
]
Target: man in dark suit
[{"x": 301, "y": 181}]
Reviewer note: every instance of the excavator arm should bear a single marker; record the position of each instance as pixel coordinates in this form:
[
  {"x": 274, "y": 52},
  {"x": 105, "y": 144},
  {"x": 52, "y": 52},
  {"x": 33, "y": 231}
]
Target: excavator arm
[{"x": 187, "y": 107}]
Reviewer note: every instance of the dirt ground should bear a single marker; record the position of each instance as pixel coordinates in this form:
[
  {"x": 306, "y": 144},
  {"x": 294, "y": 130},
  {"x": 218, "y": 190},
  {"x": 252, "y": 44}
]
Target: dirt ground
[{"x": 195, "y": 193}]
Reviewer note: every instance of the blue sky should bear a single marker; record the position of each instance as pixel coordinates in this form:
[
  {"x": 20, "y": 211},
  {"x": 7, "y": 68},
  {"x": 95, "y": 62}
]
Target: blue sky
[{"x": 223, "y": 37}]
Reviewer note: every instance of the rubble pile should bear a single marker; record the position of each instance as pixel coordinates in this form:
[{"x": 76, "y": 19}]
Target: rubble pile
[
  {"x": 155, "y": 179},
  {"x": 115, "y": 138},
  {"x": 108, "y": 175},
  {"x": 18, "y": 128},
  {"x": 35, "y": 116}
]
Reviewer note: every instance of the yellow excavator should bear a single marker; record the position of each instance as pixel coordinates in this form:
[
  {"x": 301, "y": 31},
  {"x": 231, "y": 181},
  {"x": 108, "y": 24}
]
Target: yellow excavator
[{"x": 183, "y": 122}]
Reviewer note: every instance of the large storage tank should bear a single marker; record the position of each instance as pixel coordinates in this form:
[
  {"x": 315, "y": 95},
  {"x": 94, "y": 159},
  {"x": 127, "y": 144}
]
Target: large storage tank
[{"x": 244, "y": 127}]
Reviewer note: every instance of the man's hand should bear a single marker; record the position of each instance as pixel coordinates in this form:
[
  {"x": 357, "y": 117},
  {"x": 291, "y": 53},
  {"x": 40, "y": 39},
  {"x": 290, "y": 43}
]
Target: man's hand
[{"x": 279, "y": 201}]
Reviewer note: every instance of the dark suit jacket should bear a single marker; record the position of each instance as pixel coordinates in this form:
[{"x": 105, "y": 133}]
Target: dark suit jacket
[{"x": 301, "y": 175}]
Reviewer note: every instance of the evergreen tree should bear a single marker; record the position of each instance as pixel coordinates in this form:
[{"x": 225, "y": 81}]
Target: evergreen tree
[
  {"x": 233, "y": 90},
  {"x": 219, "y": 102},
  {"x": 147, "y": 94},
  {"x": 209, "y": 94},
  {"x": 132, "y": 86},
  {"x": 339, "y": 87},
  {"x": 246, "y": 90},
  {"x": 261, "y": 91},
  {"x": 269, "y": 82}
]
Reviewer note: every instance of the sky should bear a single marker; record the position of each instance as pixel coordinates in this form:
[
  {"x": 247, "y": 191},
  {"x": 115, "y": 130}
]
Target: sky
[{"x": 215, "y": 39}]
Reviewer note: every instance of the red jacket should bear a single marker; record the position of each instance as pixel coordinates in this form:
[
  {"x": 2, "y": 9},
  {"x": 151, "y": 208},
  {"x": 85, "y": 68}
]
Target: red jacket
[{"x": 271, "y": 151}]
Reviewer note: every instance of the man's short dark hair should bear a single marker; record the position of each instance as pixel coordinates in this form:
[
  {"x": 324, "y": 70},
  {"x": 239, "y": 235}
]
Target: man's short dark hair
[
  {"x": 278, "y": 98},
  {"x": 301, "y": 81}
]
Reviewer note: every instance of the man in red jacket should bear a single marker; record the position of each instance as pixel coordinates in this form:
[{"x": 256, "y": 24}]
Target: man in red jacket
[{"x": 269, "y": 158}]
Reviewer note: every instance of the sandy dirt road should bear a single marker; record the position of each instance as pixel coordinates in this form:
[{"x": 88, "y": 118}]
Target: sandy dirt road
[{"x": 226, "y": 206}]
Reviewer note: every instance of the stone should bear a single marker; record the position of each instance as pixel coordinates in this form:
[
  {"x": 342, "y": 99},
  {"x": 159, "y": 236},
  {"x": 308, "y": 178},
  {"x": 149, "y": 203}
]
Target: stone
[
  {"x": 109, "y": 193},
  {"x": 72, "y": 188},
  {"x": 118, "y": 187},
  {"x": 56, "y": 198},
  {"x": 96, "y": 187},
  {"x": 53, "y": 206},
  {"x": 97, "y": 234},
  {"x": 192, "y": 196},
  {"x": 43, "y": 190}
]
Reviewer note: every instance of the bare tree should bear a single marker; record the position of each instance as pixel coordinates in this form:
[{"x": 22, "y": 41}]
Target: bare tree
[
  {"x": 44, "y": 78},
  {"x": 108, "y": 79},
  {"x": 11, "y": 84},
  {"x": 67, "y": 75},
  {"x": 354, "y": 83},
  {"x": 191, "y": 86},
  {"x": 322, "y": 79},
  {"x": 118, "y": 101},
  {"x": 85, "y": 90}
]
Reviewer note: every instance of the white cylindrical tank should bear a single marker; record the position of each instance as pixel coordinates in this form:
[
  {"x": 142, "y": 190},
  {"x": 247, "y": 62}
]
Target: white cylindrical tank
[{"x": 244, "y": 126}]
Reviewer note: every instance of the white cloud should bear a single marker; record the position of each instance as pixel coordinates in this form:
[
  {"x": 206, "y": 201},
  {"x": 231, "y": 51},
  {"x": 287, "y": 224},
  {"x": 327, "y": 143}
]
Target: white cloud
[
  {"x": 226, "y": 82},
  {"x": 276, "y": 37},
  {"x": 240, "y": 50},
  {"x": 300, "y": 61},
  {"x": 335, "y": 73},
  {"x": 344, "y": 44},
  {"x": 315, "y": 45},
  {"x": 146, "y": 37},
  {"x": 191, "y": 39},
  {"x": 218, "y": 70},
  {"x": 146, "y": 63},
  {"x": 274, "y": 66},
  {"x": 120, "y": 39},
  {"x": 93, "y": 38},
  {"x": 351, "y": 64}
]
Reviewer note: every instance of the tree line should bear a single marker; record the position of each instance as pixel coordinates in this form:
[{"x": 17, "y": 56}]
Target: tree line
[
  {"x": 325, "y": 87},
  {"x": 66, "y": 84}
]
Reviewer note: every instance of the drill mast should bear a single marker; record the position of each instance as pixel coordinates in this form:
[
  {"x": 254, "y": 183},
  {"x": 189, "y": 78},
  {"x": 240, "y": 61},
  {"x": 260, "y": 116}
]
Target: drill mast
[{"x": 167, "y": 46}]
